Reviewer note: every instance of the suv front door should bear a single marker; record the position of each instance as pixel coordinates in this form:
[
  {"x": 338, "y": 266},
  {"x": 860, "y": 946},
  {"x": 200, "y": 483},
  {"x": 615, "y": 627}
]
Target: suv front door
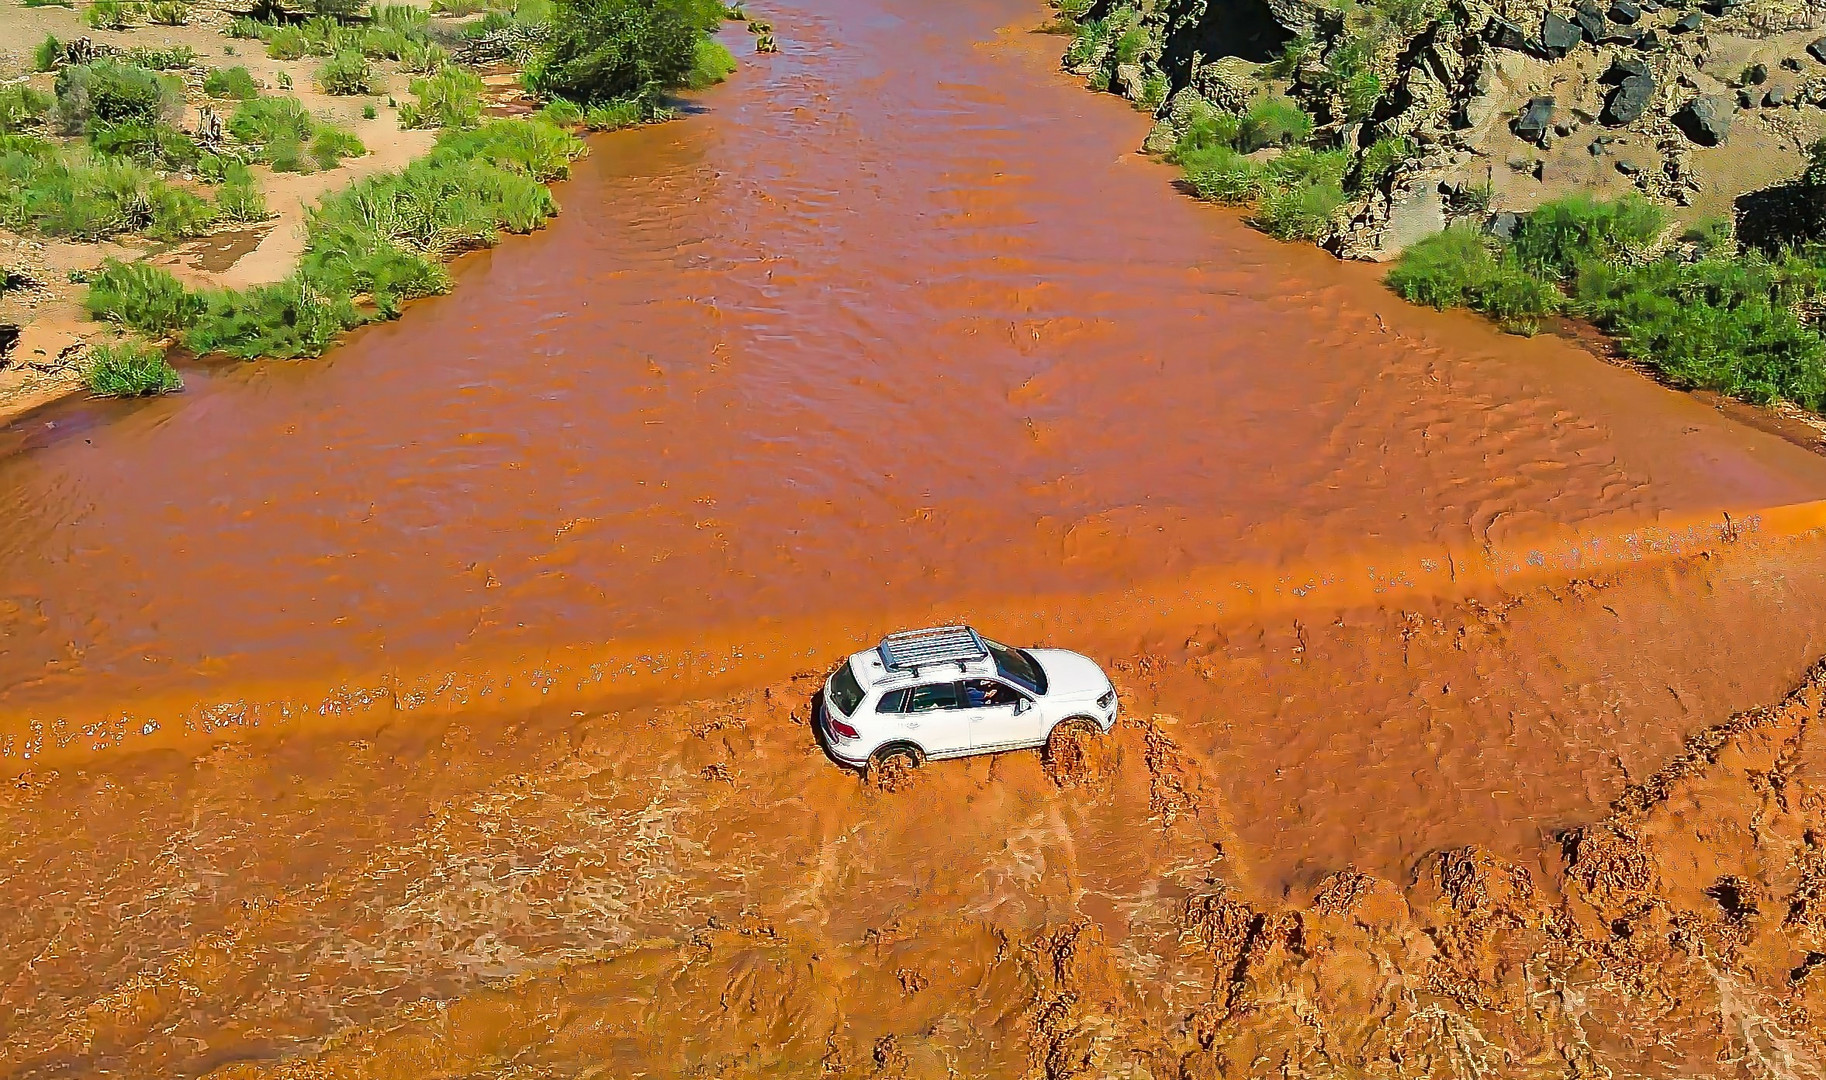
[{"x": 999, "y": 715}]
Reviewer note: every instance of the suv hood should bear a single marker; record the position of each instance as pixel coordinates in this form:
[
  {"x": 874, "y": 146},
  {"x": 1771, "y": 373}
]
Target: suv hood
[{"x": 1070, "y": 675}]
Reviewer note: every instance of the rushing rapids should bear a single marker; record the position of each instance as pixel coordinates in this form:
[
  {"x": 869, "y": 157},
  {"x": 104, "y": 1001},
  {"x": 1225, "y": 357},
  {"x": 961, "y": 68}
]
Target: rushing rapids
[{"x": 438, "y": 708}]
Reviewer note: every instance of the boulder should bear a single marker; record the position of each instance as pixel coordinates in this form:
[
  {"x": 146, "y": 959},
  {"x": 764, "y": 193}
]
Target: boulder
[
  {"x": 1817, "y": 50},
  {"x": 1591, "y": 21},
  {"x": 1227, "y": 82},
  {"x": 1629, "y": 100},
  {"x": 1622, "y": 66},
  {"x": 1600, "y": 145},
  {"x": 1777, "y": 97},
  {"x": 1650, "y": 41},
  {"x": 1706, "y": 120},
  {"x": 1688, "y": 23},
  {"x": 1628, "y": 169},
  {"x": 1558, "y": 35},
  {"x": 1756, "y": 74},
  {"x": 1624, "y": 11},
  {"x": 1621, "y": 34},
  {"x": 1533, "y": 122},
  {"x": 1789, "y": 63},
  {"x": 1503, "y": 34},
  {"x": 1503, "y": 224},
  {"x": 1746, "y": 100}
]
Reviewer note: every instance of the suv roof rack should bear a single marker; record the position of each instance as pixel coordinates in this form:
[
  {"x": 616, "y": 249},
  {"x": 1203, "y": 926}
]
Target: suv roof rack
[{"x": 911, "y": 650}]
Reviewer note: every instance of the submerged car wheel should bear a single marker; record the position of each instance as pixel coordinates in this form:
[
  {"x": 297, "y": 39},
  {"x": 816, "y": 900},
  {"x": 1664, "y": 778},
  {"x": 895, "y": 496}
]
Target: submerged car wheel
[
  {"x": 1071, "y": 756},
  {"x": 891, "y": 767}
]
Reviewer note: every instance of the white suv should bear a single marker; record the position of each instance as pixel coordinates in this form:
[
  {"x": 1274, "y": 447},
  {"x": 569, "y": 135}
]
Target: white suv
[{"x": 949, "y": 692}]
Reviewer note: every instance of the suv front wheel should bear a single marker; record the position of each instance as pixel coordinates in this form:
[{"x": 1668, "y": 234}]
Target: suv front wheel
[{"x": 892, "y": 765}]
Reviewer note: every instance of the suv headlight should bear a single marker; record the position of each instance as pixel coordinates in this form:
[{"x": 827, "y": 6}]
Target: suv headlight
[{"x": 1107, "y": 699}]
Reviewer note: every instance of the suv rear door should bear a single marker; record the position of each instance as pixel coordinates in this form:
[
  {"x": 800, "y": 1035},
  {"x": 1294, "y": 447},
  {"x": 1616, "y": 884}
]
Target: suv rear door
[{"x": 934, "y": 720}]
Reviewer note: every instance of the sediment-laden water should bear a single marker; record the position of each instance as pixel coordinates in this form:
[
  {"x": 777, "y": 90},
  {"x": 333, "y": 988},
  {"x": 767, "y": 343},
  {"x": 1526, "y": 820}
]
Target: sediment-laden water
[{"x": 432, "y": 709}]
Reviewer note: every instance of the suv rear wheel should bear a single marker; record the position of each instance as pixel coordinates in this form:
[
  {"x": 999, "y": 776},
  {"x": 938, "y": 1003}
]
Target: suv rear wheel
[{"x": 891, "y": 766}]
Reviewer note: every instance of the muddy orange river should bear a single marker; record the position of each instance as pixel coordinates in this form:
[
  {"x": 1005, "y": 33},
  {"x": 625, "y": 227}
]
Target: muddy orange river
[{"x": 438, "y": 708}]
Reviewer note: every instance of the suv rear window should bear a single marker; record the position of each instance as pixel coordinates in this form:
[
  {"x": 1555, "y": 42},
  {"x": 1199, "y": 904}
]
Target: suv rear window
[{"x": 846, "y": 692}]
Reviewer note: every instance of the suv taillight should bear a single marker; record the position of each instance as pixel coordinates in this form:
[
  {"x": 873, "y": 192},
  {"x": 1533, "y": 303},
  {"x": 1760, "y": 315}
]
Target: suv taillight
[{"x": 842, "y": 728}]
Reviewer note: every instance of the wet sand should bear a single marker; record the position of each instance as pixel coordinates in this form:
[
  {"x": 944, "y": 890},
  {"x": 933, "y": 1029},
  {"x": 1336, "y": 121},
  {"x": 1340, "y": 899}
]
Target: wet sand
[{"x": 439, "y": 707}]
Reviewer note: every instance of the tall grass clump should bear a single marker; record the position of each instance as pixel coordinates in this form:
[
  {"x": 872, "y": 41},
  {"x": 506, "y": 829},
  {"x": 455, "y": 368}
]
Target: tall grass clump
[
  {"x": 130, "y": 369},
  {"x": 1458, "y": 268},
  {"x": 76, "y": 194},
  {"x": 1559, "y": 236},
  {"x": 107, "y": 91},
  {"x": 347, "y": 73},
  {"x": 1273, "y": 121},
  {"x": 142, "y": 297},
  {"x": 21, "y": 107},
  {"x": 234, "y": 83},
  {"x": 450, "y": 99},
  {"x": 47, "y": 54}
]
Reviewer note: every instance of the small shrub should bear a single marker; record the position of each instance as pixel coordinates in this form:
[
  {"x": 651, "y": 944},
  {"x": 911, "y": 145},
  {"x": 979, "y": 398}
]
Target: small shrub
[
  {"x": 405, "y": 19},
  {"x": 1153, "y": 92},
  {"x": 233, "y": 83},
  {"x": 288, "y": 43},
  {"x": 346, "y": 73},
  {"x": 449, "y": 99},
  {"x": 712, "y": 64},
  {"x": 107, "y": 15},
  {"x": 561, "y": 113},
  {"x": 1299, "y": 211},
  {"x": 331, "y": 144},
  {"x": 1087, "y": 43},
  {"x": 1273, "y": 121},
  {"x": 168, "y": 12},
  {"x": 285, "y": 80},
  {"x": 456, "y": 9},
  {"x": 535, "y": 148},
  {"x": 271, "y": 119},
  {"x": 142, "y": 297},
  {"x": 248, "y": 29},
  {"x": 1220, "y": 174},
  {"x": 1410, "y": 16},
  {"x": 369, "y": 112},
  {"x": 1457, "y": 268},
  {"x": 1380, "y": 161},
  {"x": 108, "y": 92},
  {"x": 160, "y": 145},
  {"x": 423, "y": 57},
  {"x": 1206, "y": 128},
  {"x": 170, "y": 58},
  {"x": 130, "y": 369},
  {"x": 238, "y": 200},
  {"x": 22, "y": 106},
  {"x": 1130, "y": 45},
  {"x": 48, "y": 54}
]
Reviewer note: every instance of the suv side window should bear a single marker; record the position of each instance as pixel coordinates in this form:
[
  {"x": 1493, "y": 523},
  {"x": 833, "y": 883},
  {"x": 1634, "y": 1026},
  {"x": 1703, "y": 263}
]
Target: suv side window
[
  {"x": 933, "y": 696},
  {"x": 894, "y": 701},
  {"x": 987, "y": 694}
]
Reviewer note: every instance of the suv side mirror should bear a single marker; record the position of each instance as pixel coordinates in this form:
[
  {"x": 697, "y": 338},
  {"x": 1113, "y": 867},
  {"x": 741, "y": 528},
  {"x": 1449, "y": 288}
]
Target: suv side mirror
[{"x": 1022, "y": 705}]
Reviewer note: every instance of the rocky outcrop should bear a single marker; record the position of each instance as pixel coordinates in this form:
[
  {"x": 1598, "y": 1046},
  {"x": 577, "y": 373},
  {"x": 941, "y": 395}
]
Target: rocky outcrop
[{"x": 1465, "y": 93}]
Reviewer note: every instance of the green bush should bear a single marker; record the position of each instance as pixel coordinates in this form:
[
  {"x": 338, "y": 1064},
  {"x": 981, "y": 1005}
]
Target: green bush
[
  {"x": 346, "y": 73},
  {"x": 1273, "y": 121},
  {"x": 601, "y": 50},
  {"x": 283, "y": 321},
  {"x": 712, "y": 64},
  {"x": 450, "y": 99},
  {"x": 168, "y": 12},
  {"x": 142, "y": 297},
  {"x": 47, "y": 54},
  {"x": 369, "y": 112},
  {"x": 130, "y": 369},
  {"x": 1087, "y": 42},
  {"x": 330, "y": 144},
  {"x": 1298, "y": 211},
  {"x": 108, "y": 15},
  {"x": 288, "y": 43},
  {"x": 405, "y": 19},
  {"x": 169, "y": 58},
  {"x": 159, "y": 145},
  {"x": 247, "y": 29},
  {"x": 78, "y": 195},
  {"x": 22, "y": 106},
  {"x": 561, "y": 112},
  {"x": 1457, "y": 268},
  {"x": 238, "y": 200},
  {"x": 537, "y": 149},
  {"x": 1721, "y": 323},
  {"x": 106, "y": 91},
  {"x": 1220, "y": 174},
  {"x": 1206, "y": 128},
  {"x": 1559, "y": 236},
  {"x": 234, "y": 83},
  {"x": 1383, "y": 157}
]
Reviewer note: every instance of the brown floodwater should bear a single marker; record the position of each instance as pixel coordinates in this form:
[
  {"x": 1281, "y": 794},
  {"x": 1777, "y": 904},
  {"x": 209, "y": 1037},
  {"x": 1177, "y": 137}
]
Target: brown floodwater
[{"x": 894, "y": 326}]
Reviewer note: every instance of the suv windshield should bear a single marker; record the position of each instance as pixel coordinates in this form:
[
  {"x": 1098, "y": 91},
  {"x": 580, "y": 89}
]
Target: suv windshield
[
  {"x": 846, "y": 692},
  {"x": 1017, "y": 667}
]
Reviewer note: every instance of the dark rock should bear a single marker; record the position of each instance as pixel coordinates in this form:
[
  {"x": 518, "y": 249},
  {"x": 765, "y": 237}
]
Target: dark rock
[
  {"x": 1539, "y": 172},
  {"x": 1625, "y": 11},
  {"x": 1650, "y": 41},
  {"x": 1628, "y": 169},
  {"x": 1621, "y": 34},
  {"x": 1591, "y": 21},
  {"x": 1600, "y": 145},
  {"x": 1532, "y": 123},
  {"x": 1789, "y": 63},
  {"x": 1648, "y": 5},
  {"x": 1706, "y": 120},
  {"x": 1558, "y": 35},
  {"x": 1817, "y": 50},
  {"x": 9, "y": 340},
  {"x": 1690, "y": 22},
  {"x": 1756, "y": 74},
  {"x": 1777, "y": 97},
  {"x": 1745, "y": 100},
  {"x": 1782, "y": 217},
  {"x": 1622, "y": 66},
  {"x": 1629, "y": 100},
  {"x": 1503, "y": 224},
  {"x": 1504, "y": 34}
]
